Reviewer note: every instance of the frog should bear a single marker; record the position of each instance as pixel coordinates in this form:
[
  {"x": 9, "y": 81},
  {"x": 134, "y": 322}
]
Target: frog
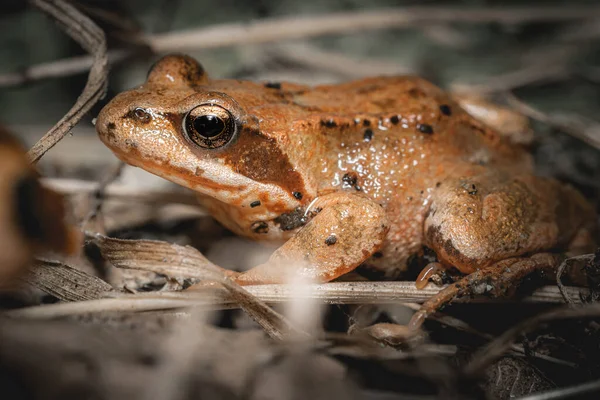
[{"x": 363, "y": 173}]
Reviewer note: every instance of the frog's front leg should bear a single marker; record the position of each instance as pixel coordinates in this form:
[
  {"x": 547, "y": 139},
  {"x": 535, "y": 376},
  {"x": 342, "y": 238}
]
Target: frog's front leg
[{"x": 345, "y": 231}]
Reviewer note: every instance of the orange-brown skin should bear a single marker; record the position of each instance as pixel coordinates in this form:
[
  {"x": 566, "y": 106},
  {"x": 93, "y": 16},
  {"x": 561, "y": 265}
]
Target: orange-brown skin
[
  {"x": 31, "y": 216},
  {"x": 386, "y": 165}
]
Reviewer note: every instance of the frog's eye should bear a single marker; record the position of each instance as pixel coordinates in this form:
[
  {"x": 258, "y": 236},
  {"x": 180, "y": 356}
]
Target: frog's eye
[{"x": 209, "y": 126}]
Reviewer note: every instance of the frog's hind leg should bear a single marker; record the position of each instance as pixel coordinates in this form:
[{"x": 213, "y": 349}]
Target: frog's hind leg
[
  {"x": 346, "y": 230},
  {"x": 498, "y": 280}
]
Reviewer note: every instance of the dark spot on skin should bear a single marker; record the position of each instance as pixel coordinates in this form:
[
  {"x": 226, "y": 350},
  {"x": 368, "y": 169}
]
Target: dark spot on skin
[
  {"x": 28, "y": 194},
  {"x": 292, "y": 220},
  {"x": 445, "y": 109},
  {"x": 297, "y": 195},
  {"x": 259, "y": 158},
  {"x": 425, "y": 128},
  {"x": 470, "y": 188},
  {"x": 377, "y": 254},
  {"x": 273, "y": 85},
  {"x": 328, "y": 123},
  {"x": 331, "y": 240},
  {"x": 368, "y": 135},
  {"x": 111, "y": 126},
  {"x": 255, "y": 203},
  {"x": 260, "y": 227},
  {"x": 394, "y": 119},
  {"x": 366, "y": 122},
  {"x": 438, "y": 184},
  {"x": 350, "y": 180},
  {"x": 131, "y": 143}
]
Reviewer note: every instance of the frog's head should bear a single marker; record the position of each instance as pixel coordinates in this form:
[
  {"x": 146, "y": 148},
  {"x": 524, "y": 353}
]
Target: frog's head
[{"x": 183, "y": 127}]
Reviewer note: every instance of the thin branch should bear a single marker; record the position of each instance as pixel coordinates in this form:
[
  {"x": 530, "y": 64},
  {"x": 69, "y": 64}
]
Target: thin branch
[
  {"x": 288, "y": 28},
  {"x": 213, "y": 298},
  {"x": 59, "y": 68},
  {"x": 341, "y": 64},
  {"x": 577, "y": 126},
  {"x": 488, "y": 354},
  {"x": 560, "y": 271},
  {"x": 98, "y": 195},
  {"x": 85, "y": 32}
]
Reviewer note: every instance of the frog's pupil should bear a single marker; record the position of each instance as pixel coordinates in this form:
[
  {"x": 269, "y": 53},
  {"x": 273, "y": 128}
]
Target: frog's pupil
[{"x": 209, "y": 126}]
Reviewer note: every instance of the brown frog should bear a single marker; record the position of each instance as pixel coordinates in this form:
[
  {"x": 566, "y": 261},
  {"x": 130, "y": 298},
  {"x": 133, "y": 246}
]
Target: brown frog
[{"x": 361, "y": 173}]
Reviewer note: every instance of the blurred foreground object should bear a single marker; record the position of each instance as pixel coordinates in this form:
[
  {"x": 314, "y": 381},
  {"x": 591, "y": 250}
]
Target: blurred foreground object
[{"x": 31, "y": 216}]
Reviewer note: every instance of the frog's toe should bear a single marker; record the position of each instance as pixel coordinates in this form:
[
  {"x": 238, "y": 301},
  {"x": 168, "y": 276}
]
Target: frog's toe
[{"x": 498, "y": 280}]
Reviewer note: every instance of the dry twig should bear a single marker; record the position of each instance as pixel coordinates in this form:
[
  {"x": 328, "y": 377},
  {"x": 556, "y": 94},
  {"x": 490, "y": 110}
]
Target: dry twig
[
  {"x": 577, "y": 126},
  {"x": 560, "y": 271},
  {"x": 91, "y": 38},
  {"x": 97, "y": 196},
  {"x": 488, "y": 354},
  {"x": 213, "y": 298}
]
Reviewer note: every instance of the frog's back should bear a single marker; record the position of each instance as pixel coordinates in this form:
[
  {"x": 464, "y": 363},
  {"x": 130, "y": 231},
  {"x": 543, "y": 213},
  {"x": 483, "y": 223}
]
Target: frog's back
[{"x": 395, "y": 139}]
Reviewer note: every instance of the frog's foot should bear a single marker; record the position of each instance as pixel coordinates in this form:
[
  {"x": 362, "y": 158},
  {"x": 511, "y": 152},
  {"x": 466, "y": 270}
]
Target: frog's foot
[
  {"x": 346, "y": 230},
  {"x": 498, "y": 280}
]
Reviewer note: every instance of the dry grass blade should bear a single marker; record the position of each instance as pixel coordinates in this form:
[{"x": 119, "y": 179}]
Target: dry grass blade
[
  {"x": 186, "y": 262},
  {"x": 66, "y": 283},
  {"x": 488, "y": 354},
  {"x": 91, "y": 38}
]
